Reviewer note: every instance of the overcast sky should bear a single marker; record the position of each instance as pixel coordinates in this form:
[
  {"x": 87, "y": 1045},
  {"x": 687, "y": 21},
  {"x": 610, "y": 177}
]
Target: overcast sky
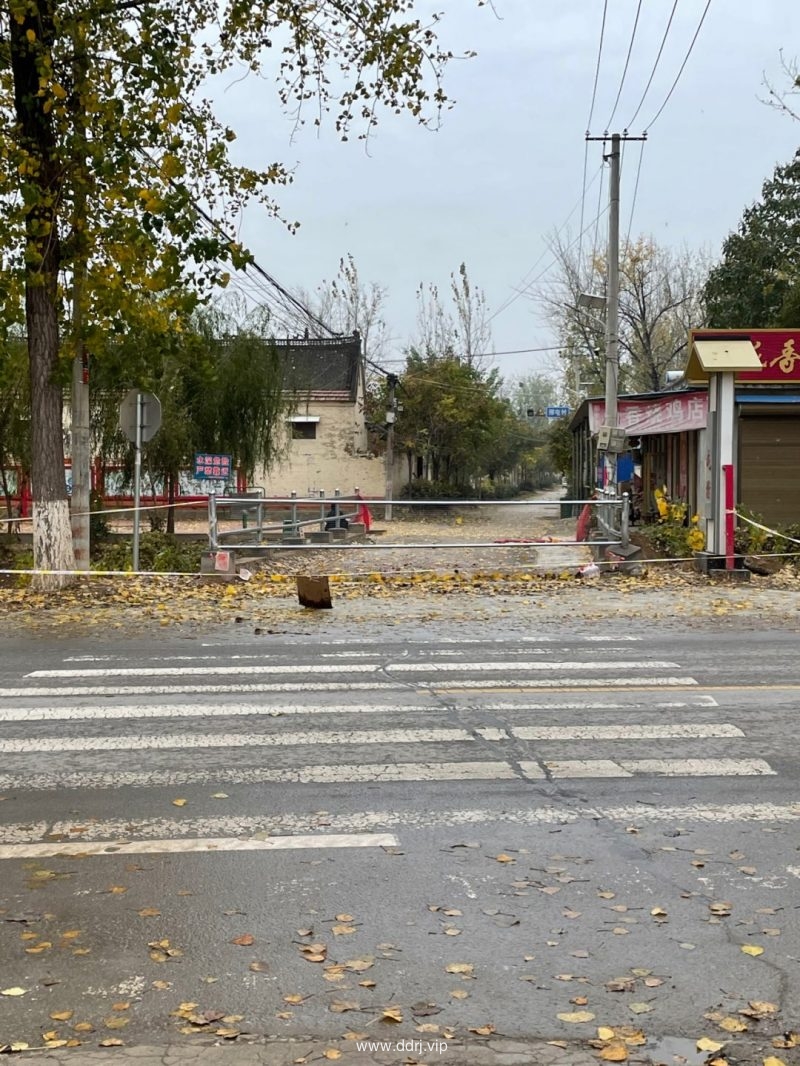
[{"x": 505, "y": 169}]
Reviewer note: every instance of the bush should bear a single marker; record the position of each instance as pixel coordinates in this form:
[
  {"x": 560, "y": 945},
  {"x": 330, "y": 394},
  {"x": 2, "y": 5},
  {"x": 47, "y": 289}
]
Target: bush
[
  {"x": 99, "y": 529},
  {"x": 750, "y": 540},
  {"x": 420, "y": 489},
  {"x": 674, "y": 533},
  {"x": 157, "y": 551}
]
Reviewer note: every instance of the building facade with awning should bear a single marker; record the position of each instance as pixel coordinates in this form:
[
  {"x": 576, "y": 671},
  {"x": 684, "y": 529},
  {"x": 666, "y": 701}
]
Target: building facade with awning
[{"x": 671, "y": 433}]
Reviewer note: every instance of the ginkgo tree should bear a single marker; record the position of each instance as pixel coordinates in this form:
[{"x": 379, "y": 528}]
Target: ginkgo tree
[{"x": 116, "y": 175}]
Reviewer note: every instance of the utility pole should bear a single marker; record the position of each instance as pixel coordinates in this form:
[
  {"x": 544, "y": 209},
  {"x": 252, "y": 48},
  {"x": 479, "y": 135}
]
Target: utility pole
[
  {"x": 611, "y": 420},
  {"x": 80, "y": 433},
  {"x": 612, "y": 307},
  {"x": 391, "y": 415}
]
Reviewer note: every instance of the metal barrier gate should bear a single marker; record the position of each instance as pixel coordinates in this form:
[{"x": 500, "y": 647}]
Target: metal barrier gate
[{"x": 294, "y": 515}]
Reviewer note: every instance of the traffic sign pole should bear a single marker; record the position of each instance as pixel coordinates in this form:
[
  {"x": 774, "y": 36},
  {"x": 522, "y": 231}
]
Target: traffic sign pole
[{"x": 137, "y": 477}]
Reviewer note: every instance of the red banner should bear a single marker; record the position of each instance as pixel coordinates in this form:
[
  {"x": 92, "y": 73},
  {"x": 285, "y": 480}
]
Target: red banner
[
  {"x": 672, "y": 413},
  {"x": 778, "y": 350}
]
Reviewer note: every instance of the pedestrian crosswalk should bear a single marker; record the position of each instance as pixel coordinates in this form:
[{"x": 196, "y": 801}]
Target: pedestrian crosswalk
[
  {"x": 530, "y": 711},
  {"x": 422, "y": 728}
]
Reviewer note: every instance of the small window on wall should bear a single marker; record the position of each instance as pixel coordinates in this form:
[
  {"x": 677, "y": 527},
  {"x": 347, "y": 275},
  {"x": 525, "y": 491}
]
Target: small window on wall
[{"x": 304, "y": 429}]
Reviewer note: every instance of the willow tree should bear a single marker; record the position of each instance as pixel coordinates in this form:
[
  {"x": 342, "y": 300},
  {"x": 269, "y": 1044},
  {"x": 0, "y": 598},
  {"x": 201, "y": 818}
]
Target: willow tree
[{"x": 116, "y": 176}]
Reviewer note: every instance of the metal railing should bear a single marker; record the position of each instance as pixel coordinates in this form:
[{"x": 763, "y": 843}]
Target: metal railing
[
  {"x": 288, "y": 527},
  {"x": 613, "y": 511},
  {"x": 287, "y": 530}
]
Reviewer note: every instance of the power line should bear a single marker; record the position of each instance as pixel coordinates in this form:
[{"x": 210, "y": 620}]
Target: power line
[
  {"x": 635, "y": 191},
  {"x": 598, "y": 216},
  {"x": 520, "y": 288},
  {"x": 572, "y": 243},
  {"x": 583, "y": 196},
  {"x": 683, "y": 65},
  {"x": 627, "y": 62},
  {"x": 597, "y": 68},
  {"x": 655, "y": 65},
  {"x": 263, "y": 280}
]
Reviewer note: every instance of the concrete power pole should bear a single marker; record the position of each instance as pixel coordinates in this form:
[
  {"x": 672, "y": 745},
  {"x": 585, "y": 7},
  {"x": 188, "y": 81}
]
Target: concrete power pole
[
  {"x": 81, "y": 437},
  {"x": 612, "y": 307},
  {"x": 611, "y": 420},
  {"x": 81, "y": 462}
]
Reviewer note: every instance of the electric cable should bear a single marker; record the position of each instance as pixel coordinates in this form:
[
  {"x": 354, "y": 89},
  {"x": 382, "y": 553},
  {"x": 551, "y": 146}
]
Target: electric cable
[
  {"x": 655, "y": 65},
  {"x": 682, "y": 67},
  {"x": 520, "y": 288},
  {"x": 627, "y": 63},
  {"x": 597, "y": 68},
  {"x": 635, "y": 192}
]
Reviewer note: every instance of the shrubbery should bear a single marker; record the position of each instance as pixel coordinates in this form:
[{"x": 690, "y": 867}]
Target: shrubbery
[
  {"x": 674, "y": 533},
  {"x": 157, "y": 551}
]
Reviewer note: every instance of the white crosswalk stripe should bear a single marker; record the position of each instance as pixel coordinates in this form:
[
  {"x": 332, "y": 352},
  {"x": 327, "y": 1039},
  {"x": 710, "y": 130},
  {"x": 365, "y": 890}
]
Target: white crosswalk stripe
[{"x": 433, "y": 713}]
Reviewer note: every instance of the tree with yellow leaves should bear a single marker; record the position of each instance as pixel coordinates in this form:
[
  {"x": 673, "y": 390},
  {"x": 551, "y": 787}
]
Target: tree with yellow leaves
[{"x": 109, "y": 149}]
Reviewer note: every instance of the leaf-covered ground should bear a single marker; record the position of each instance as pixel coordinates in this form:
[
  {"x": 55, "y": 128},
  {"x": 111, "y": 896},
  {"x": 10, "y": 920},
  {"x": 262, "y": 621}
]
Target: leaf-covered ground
[{"x": 525, "y": 565}]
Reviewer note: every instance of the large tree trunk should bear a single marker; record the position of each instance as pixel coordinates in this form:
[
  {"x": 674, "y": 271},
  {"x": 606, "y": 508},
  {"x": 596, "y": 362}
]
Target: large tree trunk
[
  {"x": 30, "y": 42},
  {"x": 52, "y": 532}
]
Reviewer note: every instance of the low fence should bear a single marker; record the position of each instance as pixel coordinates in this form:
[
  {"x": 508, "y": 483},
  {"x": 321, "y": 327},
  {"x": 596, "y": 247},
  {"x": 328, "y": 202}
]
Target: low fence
[
  {"x": 283, "y": 522},
  {"x": 287, "y": 527}
]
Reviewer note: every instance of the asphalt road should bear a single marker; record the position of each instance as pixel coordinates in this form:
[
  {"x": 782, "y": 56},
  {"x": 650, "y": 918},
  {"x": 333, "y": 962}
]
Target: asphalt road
[{"x": 466, "y": 830}]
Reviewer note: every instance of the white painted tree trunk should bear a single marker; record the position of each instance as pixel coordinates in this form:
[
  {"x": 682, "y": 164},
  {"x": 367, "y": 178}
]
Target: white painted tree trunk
[{"x": 52, "y": 543}]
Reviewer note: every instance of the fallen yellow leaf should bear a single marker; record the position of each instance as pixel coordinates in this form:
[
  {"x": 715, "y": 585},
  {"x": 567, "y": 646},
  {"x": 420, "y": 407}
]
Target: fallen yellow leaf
[
  {"x": 61, "y": 1015},
  {"x": 706, "y": 1044},
  {"x": 576, "y": 1016},
  {"x": 13, "y": 991},
  {"x": 772, "y": 1060},
  {"x": 392, "y": 1014},
  {"x": 732, "y": 1025},
  {"x": 752, "y": 949},
  {"x": 179, "y": 803},
  {"x": 614, "y": 1053},
  {"x": 332, "y": 1053},
  {"x": 761, "y": 1006}
]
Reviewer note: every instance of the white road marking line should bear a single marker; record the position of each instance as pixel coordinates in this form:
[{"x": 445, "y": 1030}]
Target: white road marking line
[
  {"x": 354, "y": 668},
  {"x": 99, "y": 712},
  {"x": 201, "y": 844},
  {"x": 491, "y": 733},
  {"x": 183, "y": 671},
  {"x": 692, "y": 701},
  {"x": 186, "y": 741},
  {"x": 559, "y": 682},
  {"x": 584, "y": 768},
  {"x": 199, "y": 710},
  {"x": 698, "y": 767},
  {"x": 552, "y": 665},
  {"x": 185, "y": 689},
  {"x": 578, "y": 768},
  {"x": 325, "y": 775},
  {"x": 626, "y": 731},
  {"x": 344, "y": 686},
  {"x": 124, "y": 829}
]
